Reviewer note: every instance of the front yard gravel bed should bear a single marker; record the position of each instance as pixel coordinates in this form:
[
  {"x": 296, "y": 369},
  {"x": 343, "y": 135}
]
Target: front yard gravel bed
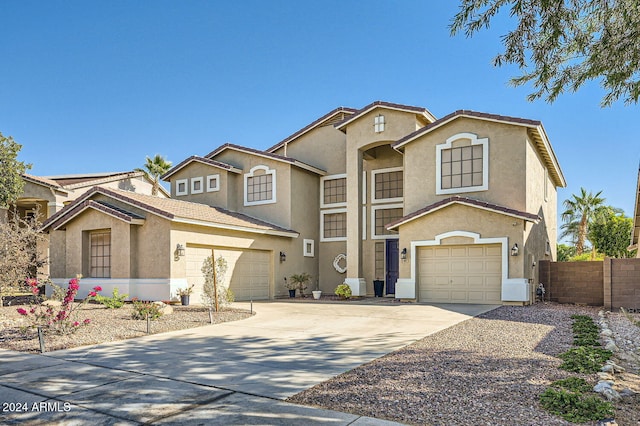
[
  {"x": 107, "y": 325},
  {"x": 489, "y": 370}
]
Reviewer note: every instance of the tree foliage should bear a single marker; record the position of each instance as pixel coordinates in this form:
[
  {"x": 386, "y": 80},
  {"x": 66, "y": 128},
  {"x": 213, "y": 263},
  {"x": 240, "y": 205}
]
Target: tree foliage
[
  {"x": 565, "y": 252},
  {"x": 215, "y": 293},
  {"x": 559, "y": 45},
  {"x": 21, "y": 253},
  {"x": 611, "y": 235},
  {"x": 11, "y": 183},
  {"x": 154, "y": 168},
  {"x": 579, "y": 211}
]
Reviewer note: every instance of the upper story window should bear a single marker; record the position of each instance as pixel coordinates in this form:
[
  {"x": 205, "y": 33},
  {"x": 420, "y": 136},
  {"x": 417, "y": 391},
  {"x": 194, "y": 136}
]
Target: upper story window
[
  {"x": 333, "y": 225},
  {"x": 196, "y": 185},
  {"x": 181, "y": 187},
  {"x": 388, "y": 185},
  {"x": 463, "y": 167},
  {"x": 259, "y": 186},
  {"x": 213, "y": 183},
  {"x": 381, "y": 216},
  {"x": 100, "y": 254},
  {"x": 333, "y": 190},
  {"x": 378, "y": 123}
]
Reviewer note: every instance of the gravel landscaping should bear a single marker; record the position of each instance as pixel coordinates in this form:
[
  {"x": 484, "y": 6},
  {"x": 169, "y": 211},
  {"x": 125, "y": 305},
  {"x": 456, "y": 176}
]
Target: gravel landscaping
[{"x": 489, "y": 370}]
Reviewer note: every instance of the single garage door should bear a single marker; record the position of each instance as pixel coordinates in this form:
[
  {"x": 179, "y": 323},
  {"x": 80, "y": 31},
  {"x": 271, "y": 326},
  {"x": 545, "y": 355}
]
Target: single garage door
[
  {"x": 460, "y": 274},
  {"x": 248, "y": 272}
]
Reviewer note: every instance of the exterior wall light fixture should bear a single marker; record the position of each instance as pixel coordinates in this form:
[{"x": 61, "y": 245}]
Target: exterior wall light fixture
[
  {"x": 403, "y": 254},
  {"x": 283, "y": 256},
  {"x": 180, "y": 252},
  {"x": 514, "y": 250}
]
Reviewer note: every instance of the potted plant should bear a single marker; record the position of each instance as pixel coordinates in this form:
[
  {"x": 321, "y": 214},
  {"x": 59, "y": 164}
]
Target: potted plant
[
  {"x": 343, "y": 291},
  {"x": 184, "y": 294},
  {"x": 378, "y": 286},
  {"x": 299, "y": 281},
  {"x": 291, "y": 286}
]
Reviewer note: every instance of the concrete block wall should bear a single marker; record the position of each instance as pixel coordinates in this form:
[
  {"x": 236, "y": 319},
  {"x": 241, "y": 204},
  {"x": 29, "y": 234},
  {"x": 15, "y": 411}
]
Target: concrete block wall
[{"x": 625, "y": 284}]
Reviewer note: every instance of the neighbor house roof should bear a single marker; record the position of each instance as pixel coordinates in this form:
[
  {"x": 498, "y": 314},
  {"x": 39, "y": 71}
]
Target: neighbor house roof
[
  {"x": 198, "y": 159},
  {"x": 329, "y": 118},
  {"x": 276, "y": 157},
  {"x": 538, "y": 134},
  {"x": 39, "y": 180},
  {"x": 174, "y": 210},
  {"x": 483, "y": 205},
  {"x": 423, "y": 112},
  {"x": 87, "y": 180},
  {"x": 635, "y": 236}
]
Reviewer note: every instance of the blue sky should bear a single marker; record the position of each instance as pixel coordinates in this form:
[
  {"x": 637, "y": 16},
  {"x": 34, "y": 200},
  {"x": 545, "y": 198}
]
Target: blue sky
[{"x": 97, "y": 86}]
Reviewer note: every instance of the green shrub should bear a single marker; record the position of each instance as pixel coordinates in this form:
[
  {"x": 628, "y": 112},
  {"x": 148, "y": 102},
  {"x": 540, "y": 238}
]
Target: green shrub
[
  {"x": 584, "y": 359},
  {"x": 116, "y": 300},
  {"x": 572, "y": 384},
  {"x": 344, "y": 291},
  {"x": 142, "y": 309},
  {"x": 575, "y": 407}
]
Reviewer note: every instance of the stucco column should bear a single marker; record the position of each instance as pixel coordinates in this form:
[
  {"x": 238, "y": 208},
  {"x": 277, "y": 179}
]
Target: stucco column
[{"x": 355, "y": 278}]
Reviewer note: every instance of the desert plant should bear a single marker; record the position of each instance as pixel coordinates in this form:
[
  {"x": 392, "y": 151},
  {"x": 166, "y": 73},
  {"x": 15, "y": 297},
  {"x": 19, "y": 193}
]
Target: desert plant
[
  {"x": 584, "y": 359},
  {"x": 299, "y": 281},
  {"x": 215, "y": 293},
  {"x": 186, "y": 291},
  {"x": 116, "y": 300},
  {"x": 343, "y": 290},
  {"x": 143, "y": 309},
  {"x": 630, "y": 317},
  {"x": 574, "y": 406}
]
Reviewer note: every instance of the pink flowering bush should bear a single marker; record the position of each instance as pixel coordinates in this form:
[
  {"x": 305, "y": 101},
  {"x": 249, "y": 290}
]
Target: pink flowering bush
[{"x": 62, "y": 319}]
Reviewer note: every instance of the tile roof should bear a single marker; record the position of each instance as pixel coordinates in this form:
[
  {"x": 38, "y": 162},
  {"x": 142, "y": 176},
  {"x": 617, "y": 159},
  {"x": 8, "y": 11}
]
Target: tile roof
[
  {"x": 177, "y": 211},
  {"x": 467, "y": 201},
  {"x": 538, "y": 133},
  {"x": 202, "y": 160},
  {"x": 101, "y": 206},
  {"x": 313, "y": 125},
  {"x": 90, "y": 179},
  {"x": 418, "y": 110},
  {"x": 266, "y": 154},
  {"x": 43, "y": 181}
]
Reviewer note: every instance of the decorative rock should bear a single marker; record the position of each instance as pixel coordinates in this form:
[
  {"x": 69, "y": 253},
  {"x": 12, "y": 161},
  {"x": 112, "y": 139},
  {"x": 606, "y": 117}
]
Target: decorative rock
[
  {"x": 602, "y": 386},
  {"x": 607, "y": 368},
  {"x": 164, "y": 308},
  {"x": 611, "y": 346},
  {"x": 52, "y": 303},
  {"x": 605, "y": 376},
  {"x": 606, "y": 332},
  {"x": 611, "y": 394},
  {"x": 616, "y": 367},
  {"x": 627, "y": 392},
  {"x": 607, "y": 422}
]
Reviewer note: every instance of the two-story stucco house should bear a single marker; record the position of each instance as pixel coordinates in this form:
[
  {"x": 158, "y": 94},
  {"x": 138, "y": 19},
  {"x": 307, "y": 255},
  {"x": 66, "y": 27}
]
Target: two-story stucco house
[{"x": 458, "y": 209}]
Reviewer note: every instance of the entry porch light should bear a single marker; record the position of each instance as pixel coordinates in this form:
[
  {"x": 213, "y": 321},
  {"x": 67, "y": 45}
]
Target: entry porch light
[
  {"x": 283, "y": 256},
  {"x": 403, "y": 254},
  {"x": 514, "y": 250},
  {"x": 180, "y": 252}
]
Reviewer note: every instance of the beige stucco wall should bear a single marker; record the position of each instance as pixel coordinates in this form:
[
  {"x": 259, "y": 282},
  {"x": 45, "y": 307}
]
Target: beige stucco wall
[
  {"x": 464, "y": 218},
  {"x": 507, "y": 164},
  {"x": 195, "y": 170},
  {"x": 323, "y": 147},
  {"x": 305, "y": 218}
]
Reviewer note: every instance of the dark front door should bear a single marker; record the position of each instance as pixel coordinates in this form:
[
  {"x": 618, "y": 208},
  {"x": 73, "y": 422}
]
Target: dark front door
[{"x": 391, "y": 265}]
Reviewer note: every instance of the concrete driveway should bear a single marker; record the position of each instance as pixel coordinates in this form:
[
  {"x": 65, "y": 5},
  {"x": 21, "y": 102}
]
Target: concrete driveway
[{"x": 232, "y": 373}]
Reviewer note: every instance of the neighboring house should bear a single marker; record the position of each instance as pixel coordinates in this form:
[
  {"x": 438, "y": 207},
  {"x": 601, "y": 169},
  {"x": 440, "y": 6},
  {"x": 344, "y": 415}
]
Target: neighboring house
[
  {"x": 458, "y": 209},
  {"x": 636, "y": 220}
]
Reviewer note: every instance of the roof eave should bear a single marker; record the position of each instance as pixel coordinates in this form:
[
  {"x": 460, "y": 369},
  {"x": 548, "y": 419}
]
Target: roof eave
[{"x": 275, "y": 232}]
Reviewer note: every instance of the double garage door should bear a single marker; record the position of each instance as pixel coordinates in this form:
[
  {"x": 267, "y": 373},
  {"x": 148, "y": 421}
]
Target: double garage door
[
  {"x": 248, "y": 272},
  {"x": 460, "y": 274}
]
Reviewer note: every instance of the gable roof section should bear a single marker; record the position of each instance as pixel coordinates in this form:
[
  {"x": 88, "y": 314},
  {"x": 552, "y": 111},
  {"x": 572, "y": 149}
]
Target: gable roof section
[
  {"x": 39, "y": 180},
  {"x": 635, "y": 236},
  {"x": 264, "y": 154},
  {"x": 198, "y": 159},
  {"x": 387, "y": 105},
  {"x": 483, "y": 205},
  {"x": 101, "y": 206},
  {"x": 174, "y": 210},
  {"x": 536, "y": 130},
  {"x": 322, "y": 121}
]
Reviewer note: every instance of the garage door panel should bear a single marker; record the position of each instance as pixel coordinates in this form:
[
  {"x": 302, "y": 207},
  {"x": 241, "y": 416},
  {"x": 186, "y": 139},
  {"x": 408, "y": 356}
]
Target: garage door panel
[{"x": 460, "y": 274}]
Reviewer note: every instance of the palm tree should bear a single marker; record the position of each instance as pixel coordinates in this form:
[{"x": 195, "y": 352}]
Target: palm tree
[
  {"x": 579, "y": 211},
  {"x": 153, "y": 169}
]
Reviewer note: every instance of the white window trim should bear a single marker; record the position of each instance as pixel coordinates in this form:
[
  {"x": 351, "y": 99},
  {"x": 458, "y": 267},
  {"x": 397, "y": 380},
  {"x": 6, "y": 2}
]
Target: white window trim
[
  {"x": 322, "y": 214},
  {"x": 364, "y": 187},
  {"x": 379, "y": 123},
  {"x": 186, "y": 187},
  {"x": 364, "y": 223},
  {"x": 193, "y": 184},
  {"x": 267, "y": 171},
  {"x": 209, "y": 179},
  {"x": 305, "y": 252},
  {"x": 485, "y": 163},
  {"x": 331, "y": 177},
  {"x": 373, "y": 221},
  {"x": 373, "y": 185}
]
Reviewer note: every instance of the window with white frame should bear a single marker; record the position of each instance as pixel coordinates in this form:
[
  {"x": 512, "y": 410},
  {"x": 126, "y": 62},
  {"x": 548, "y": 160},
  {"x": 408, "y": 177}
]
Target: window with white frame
[
  {"x": 100, "y": 254},
  {"x": 308, "y": 248},
  {"x": 259, "y": 186},
  {"x": 333, "y": 225},
  {"x": 213, "y": 183},
  {"x": 378, "y": 123},
  {"x": 381, "y": 216},
  {"x": 388, "y": 185},
  {"x": 462, "y": 164},
  {"x": 196, "y": 185},
  {"x": 333, "y": 190},
  {"x": 181, "y": 187}
]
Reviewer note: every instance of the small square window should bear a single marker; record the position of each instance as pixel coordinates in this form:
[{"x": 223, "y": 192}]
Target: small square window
[
  {"x": 308, "y": 249},
  {"x": 181, "y": 187},
  {"x": 213, "y": 183},
  {"x": 196, "y": 185}
]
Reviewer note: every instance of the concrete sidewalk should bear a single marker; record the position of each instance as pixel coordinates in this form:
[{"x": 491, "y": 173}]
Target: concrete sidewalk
[{"x": 231, "y": 373}]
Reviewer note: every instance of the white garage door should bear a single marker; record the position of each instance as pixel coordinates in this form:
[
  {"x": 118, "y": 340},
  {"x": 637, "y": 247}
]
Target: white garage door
[
  {"x": 248, "y": 272},
  {"x": 460, "y": 274}
]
